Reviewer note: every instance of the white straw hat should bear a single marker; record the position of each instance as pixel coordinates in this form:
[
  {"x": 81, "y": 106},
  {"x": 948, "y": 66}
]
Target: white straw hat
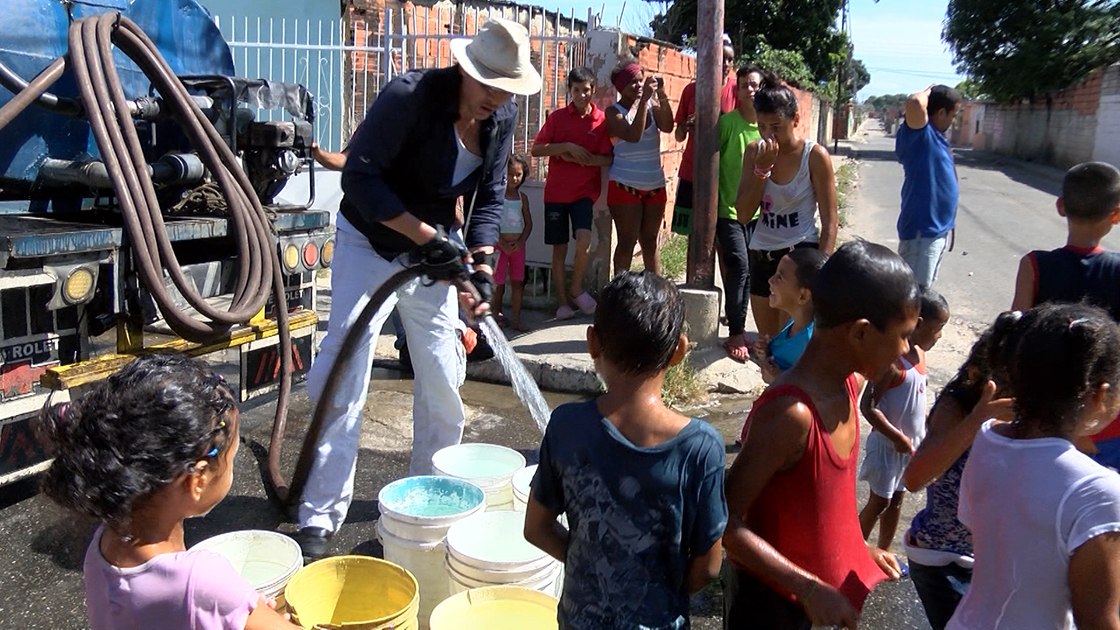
[{"x": 498, "y": 56}]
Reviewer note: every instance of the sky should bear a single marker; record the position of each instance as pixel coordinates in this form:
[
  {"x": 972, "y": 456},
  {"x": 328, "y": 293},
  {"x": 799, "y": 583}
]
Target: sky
[{"x": 899, "y": 41}]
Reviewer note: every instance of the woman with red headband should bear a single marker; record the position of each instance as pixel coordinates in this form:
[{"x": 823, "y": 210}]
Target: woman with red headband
[{"x": 636, "y": 193}]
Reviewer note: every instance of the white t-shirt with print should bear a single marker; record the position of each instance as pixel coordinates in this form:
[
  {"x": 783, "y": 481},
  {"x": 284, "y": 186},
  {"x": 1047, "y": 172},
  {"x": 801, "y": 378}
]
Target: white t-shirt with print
[{"x": 1030, "y": 504}]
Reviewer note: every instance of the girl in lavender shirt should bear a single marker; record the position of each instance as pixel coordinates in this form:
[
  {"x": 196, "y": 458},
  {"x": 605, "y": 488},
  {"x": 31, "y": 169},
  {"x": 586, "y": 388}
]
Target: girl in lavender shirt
[{"x": 144, "y": 450}]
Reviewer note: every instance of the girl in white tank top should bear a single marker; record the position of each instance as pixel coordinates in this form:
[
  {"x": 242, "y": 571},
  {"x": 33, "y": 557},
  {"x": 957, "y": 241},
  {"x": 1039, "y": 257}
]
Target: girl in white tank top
[{"x": 791, "y": 181}]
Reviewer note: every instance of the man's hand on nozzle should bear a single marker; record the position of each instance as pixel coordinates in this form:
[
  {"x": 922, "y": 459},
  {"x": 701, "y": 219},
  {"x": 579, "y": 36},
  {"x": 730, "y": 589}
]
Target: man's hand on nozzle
[{"x": 441, "y": 258}]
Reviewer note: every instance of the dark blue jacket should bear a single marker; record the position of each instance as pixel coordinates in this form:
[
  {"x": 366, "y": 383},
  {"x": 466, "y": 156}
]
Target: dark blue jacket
[{"x": 402, "y": 158}]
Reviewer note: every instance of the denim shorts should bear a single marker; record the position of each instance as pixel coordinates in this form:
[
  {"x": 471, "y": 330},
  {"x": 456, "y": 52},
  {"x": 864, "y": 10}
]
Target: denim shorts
[{"x": 924, "y": 254}]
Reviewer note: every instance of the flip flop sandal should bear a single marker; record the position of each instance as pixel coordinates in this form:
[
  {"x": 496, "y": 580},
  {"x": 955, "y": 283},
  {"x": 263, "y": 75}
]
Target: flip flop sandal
[{"x": 586, "y": 303}]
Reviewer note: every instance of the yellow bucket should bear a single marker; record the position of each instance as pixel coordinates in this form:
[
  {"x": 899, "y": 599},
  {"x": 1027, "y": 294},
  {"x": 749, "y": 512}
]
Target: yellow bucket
[
  {"x": 354, "y": 593},
  {"x": 497, "y": 608}
]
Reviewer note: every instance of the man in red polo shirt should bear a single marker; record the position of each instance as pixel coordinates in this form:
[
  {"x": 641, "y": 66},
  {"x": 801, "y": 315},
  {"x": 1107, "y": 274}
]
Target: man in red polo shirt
[
  {"x": 575, "y": 140},
  {"x": 686, "y": 122}
]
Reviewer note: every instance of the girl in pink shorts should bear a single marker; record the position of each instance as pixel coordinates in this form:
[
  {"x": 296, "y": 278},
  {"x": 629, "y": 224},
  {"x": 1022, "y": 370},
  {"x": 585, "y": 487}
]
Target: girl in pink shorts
[{"x": 514, "y": 231}]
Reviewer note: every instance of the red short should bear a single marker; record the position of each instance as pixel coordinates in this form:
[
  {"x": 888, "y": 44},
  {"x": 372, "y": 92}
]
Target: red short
[{"x": 621, "y": 194}]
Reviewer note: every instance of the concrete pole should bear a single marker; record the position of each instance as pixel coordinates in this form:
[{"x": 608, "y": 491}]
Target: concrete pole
[{"x": 709, "y": 62}]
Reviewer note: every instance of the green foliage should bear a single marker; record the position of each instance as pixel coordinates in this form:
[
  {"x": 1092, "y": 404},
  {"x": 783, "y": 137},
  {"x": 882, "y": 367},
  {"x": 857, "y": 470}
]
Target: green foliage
[
  {"x": 886, "y": 103},
  {"x": 682, "y": 385},
  {"x": 674, "y": 257},
  {"x": 857, "y": 77},
  {"x": 970, "y": 90},
  {"x": 805, "y": 27},
  {"x": 1016, "y": 49},
  {"x": 787, "y": 64}
]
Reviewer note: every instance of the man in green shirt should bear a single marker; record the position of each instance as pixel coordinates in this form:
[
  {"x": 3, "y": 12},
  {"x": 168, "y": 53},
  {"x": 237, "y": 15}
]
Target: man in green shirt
[{"x": 737, "y": 129}]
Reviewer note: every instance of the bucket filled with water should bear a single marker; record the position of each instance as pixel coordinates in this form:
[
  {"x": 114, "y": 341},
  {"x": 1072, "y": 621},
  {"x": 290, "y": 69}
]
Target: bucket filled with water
[
  {"x": 354, "y": 593},
  {"x": 497, "y": 608},
  {"x": 488, "y": 466},
  {"x": 267, "y": 560},
  {"x": 415, "y": 515},
  {"x": 489, "y": 549}
]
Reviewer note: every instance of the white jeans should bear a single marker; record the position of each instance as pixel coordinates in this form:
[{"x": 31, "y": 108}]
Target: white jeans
[{"x": 431, "y": 317}]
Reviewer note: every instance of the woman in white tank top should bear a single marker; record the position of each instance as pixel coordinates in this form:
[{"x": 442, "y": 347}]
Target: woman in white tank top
[
  {"x": 636, "y": 190},
  {"x": 790, "y": 180}
]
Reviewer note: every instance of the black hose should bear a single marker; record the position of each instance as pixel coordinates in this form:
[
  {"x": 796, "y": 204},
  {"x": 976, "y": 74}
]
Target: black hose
[
  {"x": 16, "y": 84},
  {"x": 341, "y": 363}
]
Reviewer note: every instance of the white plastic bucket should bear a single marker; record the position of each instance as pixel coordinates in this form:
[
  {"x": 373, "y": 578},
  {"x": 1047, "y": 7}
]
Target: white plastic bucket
[
  {"x": 415, "y": 515},
  {"x": 522, "y": 487},
  {"x": 267, "y": 560},
  {"x": 421, "y": 509},
  {"x": 551, "y": 583},
  {"x": 490, "y": 549},
  {"x": 425, "y": 561},
  {"x": 489, "y": 466}
]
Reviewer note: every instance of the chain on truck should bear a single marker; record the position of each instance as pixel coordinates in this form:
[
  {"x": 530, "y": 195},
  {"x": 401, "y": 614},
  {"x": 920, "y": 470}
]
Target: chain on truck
[{"x": 137, "y": 187}]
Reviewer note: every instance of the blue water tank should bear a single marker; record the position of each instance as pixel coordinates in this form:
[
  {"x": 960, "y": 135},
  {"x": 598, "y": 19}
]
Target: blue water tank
[{"x": 34, "y": 33}]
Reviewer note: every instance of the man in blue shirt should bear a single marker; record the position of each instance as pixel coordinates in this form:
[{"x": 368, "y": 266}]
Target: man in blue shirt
[
  {"x": 430, "y": 137},
  {"x": 929, "y": 191}
]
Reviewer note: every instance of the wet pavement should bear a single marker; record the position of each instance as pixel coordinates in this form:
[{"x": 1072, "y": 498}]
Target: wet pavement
[{"x": 41, "y": 585}]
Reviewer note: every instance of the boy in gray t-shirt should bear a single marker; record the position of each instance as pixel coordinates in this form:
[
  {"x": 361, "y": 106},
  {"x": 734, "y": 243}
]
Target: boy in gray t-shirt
[{"x": 641, "y": 485}]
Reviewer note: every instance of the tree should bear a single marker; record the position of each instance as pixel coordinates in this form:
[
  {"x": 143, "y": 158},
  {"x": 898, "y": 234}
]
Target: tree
[
  {"x": 787, "y": 64},
  {"x": 886, "y": 104},
  {"x": 858, "y": 77},
  {"x": 1015, "y": 49},
  {"x": 806, "y": 27},
  {"x": 970, "y": 90}
]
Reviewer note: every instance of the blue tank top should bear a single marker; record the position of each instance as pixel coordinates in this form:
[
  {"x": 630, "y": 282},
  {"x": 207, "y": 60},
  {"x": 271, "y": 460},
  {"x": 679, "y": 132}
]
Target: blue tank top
[
  {"x": 785, "y": 349},
  {"x": 638, "y": 164},
  {"x": 1072, "y": 275}
]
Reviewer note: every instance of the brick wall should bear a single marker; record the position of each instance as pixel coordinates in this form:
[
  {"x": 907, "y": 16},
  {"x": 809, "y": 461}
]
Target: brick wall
[{"x": 1077, "y": 125}]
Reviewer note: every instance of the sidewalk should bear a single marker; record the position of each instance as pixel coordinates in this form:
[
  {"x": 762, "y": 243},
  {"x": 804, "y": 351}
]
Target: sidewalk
[{"x": 555, "y": 352}]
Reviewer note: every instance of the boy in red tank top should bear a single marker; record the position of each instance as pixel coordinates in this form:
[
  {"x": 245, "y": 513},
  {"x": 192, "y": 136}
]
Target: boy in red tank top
[{"x": 798, "y": 558}]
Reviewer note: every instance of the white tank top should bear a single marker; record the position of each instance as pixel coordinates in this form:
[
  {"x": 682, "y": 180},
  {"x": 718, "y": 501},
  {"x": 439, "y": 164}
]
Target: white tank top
[
  {"x": 904, "y": 402},
  {"x": 789, "y": 211},
  {"x": 638, "y": 164},
  {"x": 465, "y": 161},
  {"x": 513, "y": 222}
]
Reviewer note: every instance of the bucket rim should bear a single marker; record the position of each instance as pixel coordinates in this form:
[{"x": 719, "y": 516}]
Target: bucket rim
[
  {"x": 408, "y": 611},
  {"x": 484, "y": 481},
  {"x": 459, "y": 534},
  {"x": 477, "y": 491}
]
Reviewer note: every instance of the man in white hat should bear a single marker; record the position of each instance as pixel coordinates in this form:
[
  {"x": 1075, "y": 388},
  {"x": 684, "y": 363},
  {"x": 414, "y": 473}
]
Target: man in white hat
[{"x": 429, "y": 137}]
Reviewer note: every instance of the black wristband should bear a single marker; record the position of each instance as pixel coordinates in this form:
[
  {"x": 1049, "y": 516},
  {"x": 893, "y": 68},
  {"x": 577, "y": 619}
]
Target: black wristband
[{"x": 482, "y": 258}]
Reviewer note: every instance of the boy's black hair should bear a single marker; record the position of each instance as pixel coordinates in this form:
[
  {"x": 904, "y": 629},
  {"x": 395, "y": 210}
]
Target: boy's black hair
[
  {"x": 1059, "y": 354},
  {"x": 1091, "y": 191},
  {"x": 743, "y": 71},
  {"x": 775, "y": 98},
  {"x": 987, "y": 361},
  {"x": 934, "y": 306},
  {"x": 808, "y": 261},
  {"x": 942, "y": 97},
  {"x": 864, "y": 280},
  {"x": 581, "y": 75},
  {"x": 638, "y": 321},
  {"x": 133, "y": 434},
  {"x": 523, "y": 160}
]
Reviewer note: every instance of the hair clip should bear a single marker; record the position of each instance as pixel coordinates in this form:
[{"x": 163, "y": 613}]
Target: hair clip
[
  {"x": 1079, "y": 321},
  {"x": 213, "y": 452}
]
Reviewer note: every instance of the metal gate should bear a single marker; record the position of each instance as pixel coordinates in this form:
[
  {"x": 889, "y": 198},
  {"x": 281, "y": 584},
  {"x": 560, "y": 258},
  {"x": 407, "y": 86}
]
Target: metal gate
[{"x": 344, "y": 63}]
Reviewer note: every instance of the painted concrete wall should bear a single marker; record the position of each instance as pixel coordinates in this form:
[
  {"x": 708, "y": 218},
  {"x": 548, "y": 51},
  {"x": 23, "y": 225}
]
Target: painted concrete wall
[
  {"x": 1107, "y": 142},
  {"x": 1079, "y": 124}
]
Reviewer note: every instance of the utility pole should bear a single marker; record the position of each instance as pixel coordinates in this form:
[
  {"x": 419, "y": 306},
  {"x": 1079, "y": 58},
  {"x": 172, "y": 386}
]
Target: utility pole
[
  {"x": 705, "y": 185},
  {"x": 840, "y": 73}
]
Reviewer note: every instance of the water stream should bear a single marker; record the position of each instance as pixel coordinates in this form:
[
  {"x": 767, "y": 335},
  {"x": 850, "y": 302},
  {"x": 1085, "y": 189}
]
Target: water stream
[{"x": 523, "y": 384}]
